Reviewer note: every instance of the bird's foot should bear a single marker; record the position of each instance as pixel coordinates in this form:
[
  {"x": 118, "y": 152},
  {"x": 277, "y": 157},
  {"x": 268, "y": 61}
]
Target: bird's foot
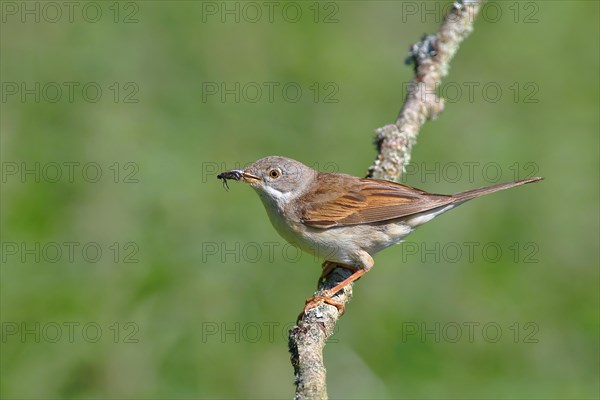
[{"x": 325, "y": 298}]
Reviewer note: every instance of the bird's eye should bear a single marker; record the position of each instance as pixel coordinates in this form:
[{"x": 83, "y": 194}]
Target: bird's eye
[{"x": 274, "y": 173}]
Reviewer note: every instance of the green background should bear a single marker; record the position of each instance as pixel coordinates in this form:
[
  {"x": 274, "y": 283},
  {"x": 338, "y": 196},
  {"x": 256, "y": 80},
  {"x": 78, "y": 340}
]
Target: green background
[{"x": 203, "y": 310}]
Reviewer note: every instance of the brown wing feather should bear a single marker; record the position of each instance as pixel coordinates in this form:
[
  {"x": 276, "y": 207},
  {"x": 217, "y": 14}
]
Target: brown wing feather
[{"x": 363, "y": 201}]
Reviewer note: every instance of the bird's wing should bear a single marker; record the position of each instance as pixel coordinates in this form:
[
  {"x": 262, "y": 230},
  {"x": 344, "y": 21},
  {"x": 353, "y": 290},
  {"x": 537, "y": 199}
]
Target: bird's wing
[{"x": 343, "y": 200}]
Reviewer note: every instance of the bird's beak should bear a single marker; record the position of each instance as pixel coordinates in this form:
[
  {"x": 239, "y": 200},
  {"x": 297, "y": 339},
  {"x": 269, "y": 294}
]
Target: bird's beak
[{"x": 249, "y": 178}]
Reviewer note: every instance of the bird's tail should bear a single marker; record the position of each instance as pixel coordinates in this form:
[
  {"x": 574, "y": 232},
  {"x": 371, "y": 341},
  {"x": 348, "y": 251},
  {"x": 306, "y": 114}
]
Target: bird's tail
[{"x": 471, "y": 194}]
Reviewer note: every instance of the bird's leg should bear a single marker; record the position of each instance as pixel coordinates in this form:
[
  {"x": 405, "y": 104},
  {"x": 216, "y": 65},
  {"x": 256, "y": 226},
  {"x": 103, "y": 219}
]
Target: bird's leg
[
  {"x": 326, "y": 297},
  {"x": 329, "y": 266}
]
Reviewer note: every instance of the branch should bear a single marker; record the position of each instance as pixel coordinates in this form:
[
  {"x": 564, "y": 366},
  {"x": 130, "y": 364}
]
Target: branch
[{"x": 431, "y": 57}]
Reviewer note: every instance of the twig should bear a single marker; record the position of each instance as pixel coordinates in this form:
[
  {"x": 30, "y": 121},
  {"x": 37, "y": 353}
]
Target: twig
[{"x": 431, "y": 57}]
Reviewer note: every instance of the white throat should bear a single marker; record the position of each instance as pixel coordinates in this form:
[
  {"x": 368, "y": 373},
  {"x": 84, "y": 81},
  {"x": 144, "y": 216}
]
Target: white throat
[{"x": 276, "y": 197}]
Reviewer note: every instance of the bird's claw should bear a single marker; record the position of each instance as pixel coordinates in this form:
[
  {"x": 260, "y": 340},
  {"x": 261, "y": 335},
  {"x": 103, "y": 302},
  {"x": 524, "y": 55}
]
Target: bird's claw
[{"x": 319, "y": 300}]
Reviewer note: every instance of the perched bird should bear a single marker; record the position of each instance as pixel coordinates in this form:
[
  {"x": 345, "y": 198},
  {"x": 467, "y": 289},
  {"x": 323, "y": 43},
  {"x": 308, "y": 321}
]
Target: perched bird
[{"x": 342, "y": 218}]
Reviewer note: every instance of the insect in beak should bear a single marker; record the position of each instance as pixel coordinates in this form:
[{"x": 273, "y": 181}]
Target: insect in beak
[{"x": 237, "y": 175}]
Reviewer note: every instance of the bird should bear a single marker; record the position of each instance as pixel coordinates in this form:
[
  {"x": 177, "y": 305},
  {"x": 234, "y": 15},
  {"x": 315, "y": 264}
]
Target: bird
[{"x": 341, "y": 218}]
